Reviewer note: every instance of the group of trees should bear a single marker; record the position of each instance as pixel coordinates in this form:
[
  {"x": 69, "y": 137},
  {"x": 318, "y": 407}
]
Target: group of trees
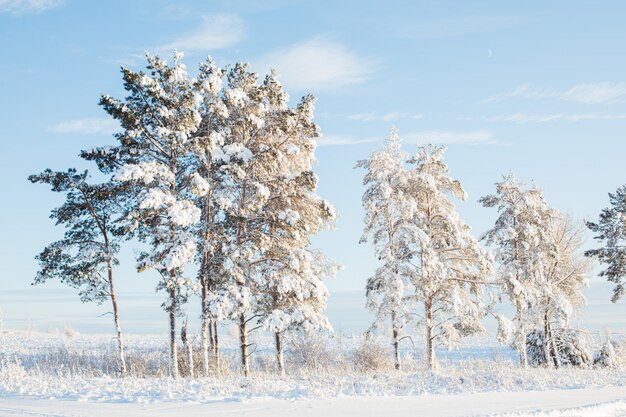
[
  {"x": 212, "y": 171},
  {"x": 436, "y": 276},
  {"x": 428, "y": 255}
]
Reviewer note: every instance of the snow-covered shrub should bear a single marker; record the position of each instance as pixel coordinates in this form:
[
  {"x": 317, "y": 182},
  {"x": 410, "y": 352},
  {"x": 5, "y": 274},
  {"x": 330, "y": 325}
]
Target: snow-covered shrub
[
  {"x": 144, "y": 364},
  {"x": 12, "y": 369},
  {"x": 571, "y": 347},
  {"x": 607, "y": 357},
  {"x": 371, "y": 356},
  {"x": 310, "y": 351},
  {"x": 69, "y": 331}
]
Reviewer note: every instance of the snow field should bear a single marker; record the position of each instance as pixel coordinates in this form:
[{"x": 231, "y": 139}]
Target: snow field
[{"x": 82, "y": 368}]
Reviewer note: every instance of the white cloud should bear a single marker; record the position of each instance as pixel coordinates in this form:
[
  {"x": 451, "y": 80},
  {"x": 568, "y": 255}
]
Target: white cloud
[
  {"x": 216, "y": 32},
  {"x": 539, "y": 118},
  {"x": 594, "y": 93},
  {"x": 319, "y": 64},
  {"x": 387, "y": 117},
  {"x": 476, "y": 137},
  {"x": 28, "y": 6},
  {"x": 86, "y": 127}
]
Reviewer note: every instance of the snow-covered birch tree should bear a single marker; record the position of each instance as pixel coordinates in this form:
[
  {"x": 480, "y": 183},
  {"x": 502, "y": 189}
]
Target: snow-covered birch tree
[
  {"x": 158, "y": 117},
  {"x": 522, "y": 246},
  {"x": 561, "y": 292},
  {"x": 86, "y": 256},
  {"x": 450, "y": 266},
  {"x": 610, "y": 230}
]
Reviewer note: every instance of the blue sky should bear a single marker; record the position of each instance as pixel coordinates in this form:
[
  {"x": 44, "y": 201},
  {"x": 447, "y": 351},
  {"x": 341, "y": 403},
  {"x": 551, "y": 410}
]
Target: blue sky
[{"x": 537, "y": 88}]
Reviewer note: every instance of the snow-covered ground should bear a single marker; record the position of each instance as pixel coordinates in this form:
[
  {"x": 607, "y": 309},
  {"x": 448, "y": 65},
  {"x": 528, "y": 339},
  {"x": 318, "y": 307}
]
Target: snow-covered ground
[
  {"x": 68, "y": 374},
  {"x": 608, "y": 402}
]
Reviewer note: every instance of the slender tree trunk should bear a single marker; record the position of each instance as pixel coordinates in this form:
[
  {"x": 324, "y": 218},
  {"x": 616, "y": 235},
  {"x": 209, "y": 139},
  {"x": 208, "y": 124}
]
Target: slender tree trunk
[
  {"x": 116, "y": 318},
  {"x": 206, "y": 323},
  {"x": 243, "y": 341},
  {"x": 430, "y": 337},
  {"x": 279, "y": 354},
  {"x": 211, "y": 339},
  {"x": 394, "y": 339},
  {"x": 547, "y": 340},
  {"x": 216, "y": 346},
  {"x": 555, "y": 350},
  {"x": 205, "y": 346},
  {"x": 523, "y": 355},
  {"x": 204, "y": 327},
  {"x": 173, "y": 346}
]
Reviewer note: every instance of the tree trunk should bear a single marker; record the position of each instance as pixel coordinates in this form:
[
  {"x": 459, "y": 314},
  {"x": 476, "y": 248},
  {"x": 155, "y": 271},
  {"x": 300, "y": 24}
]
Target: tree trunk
[
  {"x": 394, "y": 340},
  {"x": 173, "y": 346},
  {"x": 204, "y": 274},
  {"x": 555, "y": 350},
  {"x": 243, "y": 341},
  {"x": 523, "y": 355},
  {"x": 211, "y": 339},
  {"x": 204, "y": 327},
  {"x": 205, "y": 346},
  {"x": 547, "y": 340},
  {"x": 279, "y": 354},
  {"x": 216, "y": 342},
  {"x": 430, "y": 338},
  {"x": 216, "y": 346},
  {"x": 116, "y": 318}
]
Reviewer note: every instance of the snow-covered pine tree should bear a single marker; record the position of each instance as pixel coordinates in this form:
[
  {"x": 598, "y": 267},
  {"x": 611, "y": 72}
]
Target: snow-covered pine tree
[
  {"x": 206, "y": 179},
  {"x": 158, "y": 117},
  {"x": 292, "y": 294},
  {"x": 389, "y": 223},
  {"x": 522, "y": 248},
  {"x": 265, "y": 182},
  {"x": 450, "y": 266},
  {"x": 86, "y": 255},
  {"x": 611, "y": 231},
  {"x": 246, "y": 162}
]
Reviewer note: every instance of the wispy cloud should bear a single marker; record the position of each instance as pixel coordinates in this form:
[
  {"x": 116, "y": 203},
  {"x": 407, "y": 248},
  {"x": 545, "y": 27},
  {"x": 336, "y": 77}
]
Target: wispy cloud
[
  {"x": 475, "y": 137},
  {"x": 319, "y": 64},
  {"x": 28, "y": 6},
  {"x": 86, "y": 127},
  {"x": 215, "y": 32},
  {"x": 457, "y": 26},
  {"x": 544, "y": 118},
  {"x": 594, "y": 93},
  {"x": 386, "y": 117}
]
